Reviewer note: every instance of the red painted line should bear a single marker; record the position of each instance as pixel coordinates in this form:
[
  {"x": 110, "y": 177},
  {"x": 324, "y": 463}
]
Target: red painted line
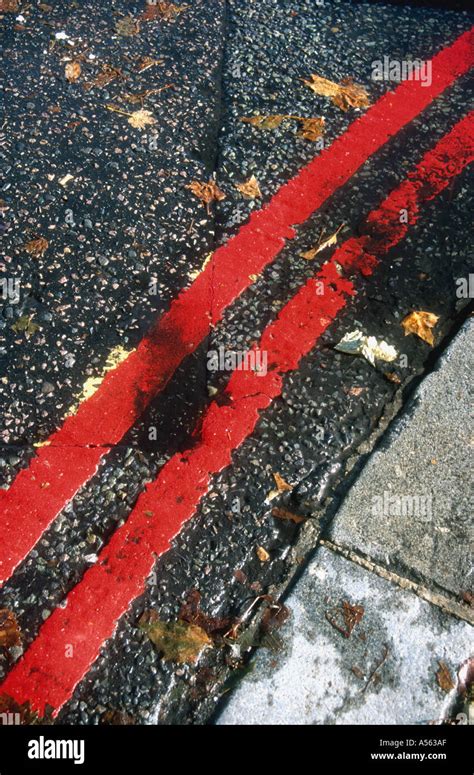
[
  {"x": 75, "y": 450},
  {"x": 70, "y": 640}
]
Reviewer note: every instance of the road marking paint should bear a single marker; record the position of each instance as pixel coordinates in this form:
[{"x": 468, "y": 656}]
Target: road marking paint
[
  {"x": 70, "y": 640},
  {"x": 74, "y": 452}
]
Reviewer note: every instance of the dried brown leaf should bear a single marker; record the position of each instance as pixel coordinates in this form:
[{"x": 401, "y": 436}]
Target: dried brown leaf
[
  {"x": 10, "y": 634},
  {"x": 178, "y": 642},
  {"x": 106, "y": 76},
  {"x": 250, "y": 189},
  {"x": 420, "y": 323},
  {"x": 206, "y": 192},
  {"x": 345, "y": 95},
  {"x": 264, "y": 122},
  {"x": 280, "y": 513},
  {"x": 311, "y": 128},
  {"x": 36, "y": 247},
  {"x": 8, "y": 6},
  {"x": 332, "y": 240},
  {"x": 72, "y": 71},
  {"x": 191, "y": 612},
  {"x": 345, "y": 617},
  {"x": 146, "y": 62},
  {"x": 444, "y": 678},
  {"x": 162, "y": 10},
  {"x": 141, "y": 118},
  {"x": 117, "y": 718},
  {"x": 282, "y": 486}
]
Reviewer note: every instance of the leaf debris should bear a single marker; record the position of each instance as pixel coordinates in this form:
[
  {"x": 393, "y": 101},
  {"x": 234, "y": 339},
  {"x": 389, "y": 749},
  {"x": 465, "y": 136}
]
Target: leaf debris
[
  {"x": 179, "y": 642},
  {"x": 164, "y": 10},
  {"x": 344, "y": 95},
  {"x": 250, "y": 188},
  {"x": 280, "y": 513},
  {"x": 10, "y": 634},
  {"x": 36, "y": 247},
  {"x": 72, "y": 71},
  {"x": 332, "y": 240},
  {"x": 420, "y": 323},
  {"x": 355, "y": 343},
  {"x": 444, "y": 678},
  {"x": 127, "y": 26},
  {"x": 25, "y": 323},
  {"x": 206, "y": 192},
  {"x": 345, "y": 617}
]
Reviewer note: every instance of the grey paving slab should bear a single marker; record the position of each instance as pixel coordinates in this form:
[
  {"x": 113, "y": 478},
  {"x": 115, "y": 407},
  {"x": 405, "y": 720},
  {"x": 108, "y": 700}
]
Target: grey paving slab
[
  {"x": 411, "y": 508},
  {"x": 323, "y": 677}
]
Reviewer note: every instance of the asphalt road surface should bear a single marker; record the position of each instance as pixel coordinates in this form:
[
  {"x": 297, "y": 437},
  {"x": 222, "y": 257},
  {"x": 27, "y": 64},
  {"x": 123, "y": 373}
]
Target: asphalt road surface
[{"x": 162, "y": 482}]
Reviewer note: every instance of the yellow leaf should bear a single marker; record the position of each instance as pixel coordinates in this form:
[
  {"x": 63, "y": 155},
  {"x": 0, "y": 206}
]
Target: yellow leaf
[
  {"x": 420, "y": 323},
  {"x": 141, "y": 118},
  {"x": 345, "y": 95},
  {"x": 264, "y": 122},
  {"x": 262, "y": 554},
  {"x": 281, "y": 484},
  {"x": 72, "y": 71},
  {"x": 178, "y": 642},
  {"x": 250, "y": 189}
]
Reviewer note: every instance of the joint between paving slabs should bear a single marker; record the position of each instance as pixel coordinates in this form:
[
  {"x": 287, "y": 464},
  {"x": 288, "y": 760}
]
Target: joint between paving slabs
[{"x": 434, "y": 598}]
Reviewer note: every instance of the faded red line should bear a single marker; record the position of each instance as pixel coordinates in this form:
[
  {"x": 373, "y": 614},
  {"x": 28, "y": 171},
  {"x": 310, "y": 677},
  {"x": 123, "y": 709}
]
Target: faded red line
[
  {"x": 70, "y": 640},
  {"x": 74, "y": 451}
]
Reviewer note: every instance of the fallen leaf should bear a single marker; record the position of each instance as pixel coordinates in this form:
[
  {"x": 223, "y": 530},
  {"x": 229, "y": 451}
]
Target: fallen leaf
[
  {"x": 280, "y": 513},
  {"x": 444, "y": 678},
  {"x": 392, "y": 376},
  {"x": 262, "y": 554},
  {"x": 357, "y": 672},
  {"x": 250, "y": 189},
  {"x": 10, "y": 634},
  {"x": 146, "y": 62},
  {"x": 106, "y": 76},
  {"x": 355, "y": 343},
  {"x": 162, "y": 10},
  {"x": 206, "y": 192},
  {"x": 8, "y": 6},
  {"x": 420, "y": 323},
  {"x": 141, "y": 118},
  {"x": 345, "y": 95},
  {"x": 311, "y": 128},
  {"x": 117, "y": 718},
  {"x": 72, "y": 71},
  {"x": 264, "y": 122},
  {"x": 191, "y": 612},
  {"x": 36, "y": 247},
  {"x": 143, "y": 95},
  {"x": 24, "y": 323},
  {"x": 332, "y": 240},
  {"x": 282, "y": 486},
  {"x": 127, "y": 26},
  {"x": 345, "y": 617},
  {"x": 178, "y": 642}
]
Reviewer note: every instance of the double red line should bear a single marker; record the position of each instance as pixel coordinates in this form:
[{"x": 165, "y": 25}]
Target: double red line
[{"x": 49, "y": 671}]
